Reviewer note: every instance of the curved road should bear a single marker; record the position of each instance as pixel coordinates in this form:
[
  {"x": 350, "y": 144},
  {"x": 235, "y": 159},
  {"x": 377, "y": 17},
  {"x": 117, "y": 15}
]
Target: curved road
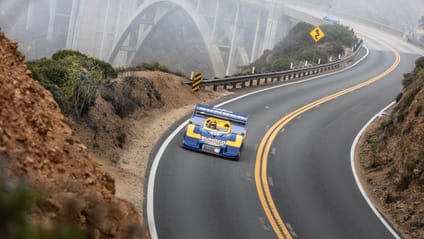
[{"x": 309, "y": 172}]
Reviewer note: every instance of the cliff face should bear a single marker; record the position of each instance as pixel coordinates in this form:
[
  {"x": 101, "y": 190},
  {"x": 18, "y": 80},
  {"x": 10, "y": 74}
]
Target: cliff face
[
  {"x": 38, "y": 146},
  {"x": 393, "y": 157}
]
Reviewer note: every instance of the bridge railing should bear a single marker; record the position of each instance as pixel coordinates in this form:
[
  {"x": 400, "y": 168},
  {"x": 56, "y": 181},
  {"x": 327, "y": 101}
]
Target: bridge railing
[{"x": 238, "y": 82}]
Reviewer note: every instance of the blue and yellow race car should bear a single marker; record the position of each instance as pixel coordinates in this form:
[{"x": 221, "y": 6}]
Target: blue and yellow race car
[{"x": 216, "y": 131}]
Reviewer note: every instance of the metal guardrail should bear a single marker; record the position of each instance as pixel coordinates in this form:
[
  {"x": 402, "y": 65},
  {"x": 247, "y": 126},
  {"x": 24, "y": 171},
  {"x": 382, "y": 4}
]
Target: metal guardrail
[{"x": 239, "y": 82}]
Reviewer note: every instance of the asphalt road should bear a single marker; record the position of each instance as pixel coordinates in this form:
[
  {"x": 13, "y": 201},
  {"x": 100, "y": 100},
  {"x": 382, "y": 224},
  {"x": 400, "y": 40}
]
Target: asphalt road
[{"x": 202, "y": 196}]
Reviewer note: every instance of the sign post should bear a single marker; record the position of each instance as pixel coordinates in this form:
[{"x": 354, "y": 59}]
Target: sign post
[
  {"x": 316, "y": 35},
  {"x": 195, "y": 86}
]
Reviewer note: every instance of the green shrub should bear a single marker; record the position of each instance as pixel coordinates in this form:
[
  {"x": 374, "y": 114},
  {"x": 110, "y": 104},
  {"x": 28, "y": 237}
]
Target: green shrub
[
  {"x": 412, "y": 165},
  {"x": 62, "y": 54},
  {"x": 408, "y": 79},
  {"x": 179, "y": 73},
  {"x": 281, "y": 65},
  {"x": 406, "y": 101},
  {"x": 57, "y": 93},
  {"x": 106, "y": 69},
  {"x": 48, "y": 70},
  {"x": 153, "y": 66},
  {"x": 73, "y": 79},
  {"x": 419, "y": 63},
  {"x": 386, "y": 124},
  {"x": 372, "y": 139},
  {"x": 16, "y": 201}
]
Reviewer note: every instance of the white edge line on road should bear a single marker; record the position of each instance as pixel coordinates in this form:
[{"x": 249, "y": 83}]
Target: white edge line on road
[
  {"x": 352, "y": 164},
  {"x": 158, "y": 156}
]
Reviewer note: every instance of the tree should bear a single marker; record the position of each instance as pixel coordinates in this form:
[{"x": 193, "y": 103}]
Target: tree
[
  {"x": 82, "y": 84},
  {"x": 73, "y": 79}
]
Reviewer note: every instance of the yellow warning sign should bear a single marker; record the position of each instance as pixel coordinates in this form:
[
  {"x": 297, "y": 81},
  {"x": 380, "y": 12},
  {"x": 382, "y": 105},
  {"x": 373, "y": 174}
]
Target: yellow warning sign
[
  {"x": 317, "y": 34},
  {"x": 197, "y": 80}
]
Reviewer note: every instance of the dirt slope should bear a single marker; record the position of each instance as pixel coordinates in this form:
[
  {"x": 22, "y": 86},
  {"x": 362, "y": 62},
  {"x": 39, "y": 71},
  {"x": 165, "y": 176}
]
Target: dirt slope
[
  {"x": 392, "y": 158},
  {"x": 39, "y": 146},
  {"x": 142, "y": 128}
]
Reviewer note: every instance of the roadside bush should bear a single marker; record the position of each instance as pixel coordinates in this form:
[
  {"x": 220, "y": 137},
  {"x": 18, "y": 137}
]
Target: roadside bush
[
  {"x": 57, "y": 93},
  {"x": 120, "y": 96},
  {"x": 419, "y": 63},
  {"x": 281, "y": 65},
  {"x": 106, "y": 69},
  {"x": 154, "y": 66},
  {"x": 408, "y": 78},
  {"x": 338, "y": 34},
  {"x": 16, "y": 201},
  {"x": 48, "y": 70},
  {"x": 72, "y": 78},
  {"x": 151, "y": 66},
  {"x": 62, "y": 54},
  {"x": 130, "y": 93}
]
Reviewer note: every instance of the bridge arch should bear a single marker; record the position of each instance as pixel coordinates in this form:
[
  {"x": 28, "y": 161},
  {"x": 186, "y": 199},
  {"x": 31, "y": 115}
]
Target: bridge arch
[{"x": 203, "y": 27}]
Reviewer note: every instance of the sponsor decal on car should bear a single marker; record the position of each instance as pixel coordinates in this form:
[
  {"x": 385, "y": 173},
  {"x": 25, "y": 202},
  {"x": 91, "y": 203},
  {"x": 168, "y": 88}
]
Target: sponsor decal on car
[{"x": 212, "y": 141}]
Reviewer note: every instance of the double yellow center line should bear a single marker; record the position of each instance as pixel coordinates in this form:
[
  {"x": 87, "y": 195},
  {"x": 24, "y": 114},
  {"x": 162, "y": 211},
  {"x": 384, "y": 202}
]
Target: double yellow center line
[{"x": 261, "y": 178}]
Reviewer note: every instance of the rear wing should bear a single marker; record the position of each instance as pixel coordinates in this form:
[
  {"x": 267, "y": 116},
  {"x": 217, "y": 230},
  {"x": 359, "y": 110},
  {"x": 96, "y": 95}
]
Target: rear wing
[{"x": 211, "y": 111}]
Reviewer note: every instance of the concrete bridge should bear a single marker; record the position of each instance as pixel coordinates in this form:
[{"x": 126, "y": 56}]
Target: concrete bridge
[{"x": 235, "y": 32}]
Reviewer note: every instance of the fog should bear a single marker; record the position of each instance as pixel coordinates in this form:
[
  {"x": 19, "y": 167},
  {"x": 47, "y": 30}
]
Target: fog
[
  {"x": 400, "y": 14},
  {"x": 94, "y": 26}
]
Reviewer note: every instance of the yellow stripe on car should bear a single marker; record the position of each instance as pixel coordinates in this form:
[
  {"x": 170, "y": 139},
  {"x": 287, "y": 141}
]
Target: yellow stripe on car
[
  {"x": 237, "y": 143},
  {"x": 191, "y": 133}
]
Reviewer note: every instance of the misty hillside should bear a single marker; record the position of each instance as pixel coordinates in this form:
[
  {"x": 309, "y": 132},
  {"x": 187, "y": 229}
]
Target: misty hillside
[
  {"x": 298, "y": 47},
  {"x": 394, "y": 156}
]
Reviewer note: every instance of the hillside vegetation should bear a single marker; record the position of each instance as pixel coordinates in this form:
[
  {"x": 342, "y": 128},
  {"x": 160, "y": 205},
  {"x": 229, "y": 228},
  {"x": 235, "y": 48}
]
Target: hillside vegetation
[
  {"x": 298, "y": 47},
  {"x": 393, "y": 157},
  {"x": 38, "y": 149},
  {"x": 72, "y": 78}
]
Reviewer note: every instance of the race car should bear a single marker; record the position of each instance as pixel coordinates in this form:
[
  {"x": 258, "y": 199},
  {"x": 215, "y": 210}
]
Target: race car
[{"x": 216, "y": 131}]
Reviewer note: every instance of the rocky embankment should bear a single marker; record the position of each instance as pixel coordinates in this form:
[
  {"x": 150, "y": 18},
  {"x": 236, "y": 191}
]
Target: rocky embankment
[
  {"x": 37, "y": 146},
  {"x": 391, "y": 158}
]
